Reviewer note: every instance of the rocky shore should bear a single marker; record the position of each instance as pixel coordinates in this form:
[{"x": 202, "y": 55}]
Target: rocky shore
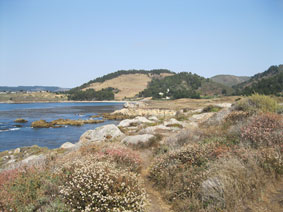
[
  {"x": 219, "y": 156},
  {"x": 140, "y": 125}
]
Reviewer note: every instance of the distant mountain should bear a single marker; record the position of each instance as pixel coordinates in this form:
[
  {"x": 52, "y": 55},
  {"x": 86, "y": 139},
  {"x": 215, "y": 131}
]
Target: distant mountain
[
  {"x": 229, "y": 80},
  {"x": 267, "y": 82},
  {"x": 33, "y": 88}
]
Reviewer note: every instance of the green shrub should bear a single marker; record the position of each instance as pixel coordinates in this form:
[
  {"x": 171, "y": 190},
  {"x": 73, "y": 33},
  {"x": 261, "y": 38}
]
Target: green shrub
[
  {"x": 257, "y": 103},
  {"x": 211, "y": 108}
]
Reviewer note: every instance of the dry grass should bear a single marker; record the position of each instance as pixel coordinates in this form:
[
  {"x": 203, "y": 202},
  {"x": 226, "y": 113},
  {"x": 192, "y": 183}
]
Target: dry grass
[
  {"x": 189, "y": 104},
  {"x": 128, "y": 85}
]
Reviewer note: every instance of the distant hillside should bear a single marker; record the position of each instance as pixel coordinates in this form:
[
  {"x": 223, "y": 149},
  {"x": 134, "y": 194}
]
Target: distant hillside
[
  {"x": 126, "y": 72},
  {"x": 267, "y": 82},
  {"x": 32, "y": 88},
  {"x": 229, "y": 80},
  {"x": 121, "y": 83},
  {"x": 184, "y": 85},
  {"x": 158, "y": 83}
]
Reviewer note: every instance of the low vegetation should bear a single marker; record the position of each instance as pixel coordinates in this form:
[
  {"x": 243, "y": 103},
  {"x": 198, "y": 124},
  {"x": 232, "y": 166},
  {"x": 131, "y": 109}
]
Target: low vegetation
[
  {"x": 212, "y": 172},
  {"x": 62, "y": 122},
  {"x": 218, "y": 167}
]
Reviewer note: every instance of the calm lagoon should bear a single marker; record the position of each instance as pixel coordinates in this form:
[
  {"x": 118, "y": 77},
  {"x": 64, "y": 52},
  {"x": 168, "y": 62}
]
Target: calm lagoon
[{"x": 13, "y": 135}]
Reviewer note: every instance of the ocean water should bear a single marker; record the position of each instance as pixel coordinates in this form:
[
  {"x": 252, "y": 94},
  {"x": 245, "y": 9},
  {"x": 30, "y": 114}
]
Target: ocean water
[{"x": 13, "y": 135}]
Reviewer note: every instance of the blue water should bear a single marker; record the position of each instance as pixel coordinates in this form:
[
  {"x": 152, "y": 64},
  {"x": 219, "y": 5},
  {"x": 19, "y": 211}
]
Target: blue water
[{"x": 13, "y": 136}]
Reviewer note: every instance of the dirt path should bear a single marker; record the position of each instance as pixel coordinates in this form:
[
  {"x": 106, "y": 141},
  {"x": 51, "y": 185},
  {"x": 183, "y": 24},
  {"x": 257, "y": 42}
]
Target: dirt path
[{"x": 156, "y": 203}]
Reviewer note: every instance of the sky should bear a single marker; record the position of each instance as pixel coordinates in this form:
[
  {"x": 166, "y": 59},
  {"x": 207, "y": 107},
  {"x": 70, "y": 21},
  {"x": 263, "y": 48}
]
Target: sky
[{"x": 69, "y": 42}]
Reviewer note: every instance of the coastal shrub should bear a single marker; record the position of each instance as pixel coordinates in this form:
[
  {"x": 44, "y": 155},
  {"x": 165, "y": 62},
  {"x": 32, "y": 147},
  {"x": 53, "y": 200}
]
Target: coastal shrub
[
  {"x": 230, "y": 181},
  {"x": 265, "y": 129},
  {"x": 235, "y": 117},
  {"x": 211, "y": 108},
  {"x": 182, "y": 170},
  {"x": 271, "y": 159},
  {"x": 179, "y": 174},
  {"x": 124, "y": 157},
  {"x": 91, "y": 185},
  {"x": 257, "y": 103},
  {"x": 181, "y": 138},
  {"x": 27, "y": 189}
]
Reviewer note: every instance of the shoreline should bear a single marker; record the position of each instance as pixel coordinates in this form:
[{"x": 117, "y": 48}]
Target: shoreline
[
  {"x": 30, "y": 146},
  {"x": 30, "y": 102}
]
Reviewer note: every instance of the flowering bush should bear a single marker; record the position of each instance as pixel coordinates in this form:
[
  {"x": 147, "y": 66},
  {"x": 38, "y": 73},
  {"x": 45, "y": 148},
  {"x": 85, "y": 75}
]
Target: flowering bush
[
  {"x": 91, "y": 185},
  {"x": 124, "y": 157},
  {"x": 26, "y": 189},
  {"x": 264, "y": 129},
  {"x": 5, "y": 178},
  {"x": 181, "y": 171}
]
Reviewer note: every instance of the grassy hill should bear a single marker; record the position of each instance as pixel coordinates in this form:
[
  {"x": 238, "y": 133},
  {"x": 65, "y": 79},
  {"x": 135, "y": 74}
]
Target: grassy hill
[
  {"x": 267, "y": 82},
  {"x": 158, "y": 83},
  {"x": 229, "y": 80},
  {"x": 121, "y": 84}
]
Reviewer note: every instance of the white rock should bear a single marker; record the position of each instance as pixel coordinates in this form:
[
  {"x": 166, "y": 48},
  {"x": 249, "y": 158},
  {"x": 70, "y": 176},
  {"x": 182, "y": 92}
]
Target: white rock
[
  {"x": 106, "y": 132},
  {"x": 138, "y": 139},
  {"x": 158, "y": 129},
  {"x": 224, "y": 104},
  {"x": 173, "y": 121},
  {"x": 137, "y": 120},
  {"x": 67, "y": 145},
  {"x": 17, "y": 151},
  {"x": 134, "y": 104},
  {"x": 153, "y": 118},
  {"x": 11, "y": 161},
  {"x": 33, "y": 159},
  {"x": 201, "y": 117}
]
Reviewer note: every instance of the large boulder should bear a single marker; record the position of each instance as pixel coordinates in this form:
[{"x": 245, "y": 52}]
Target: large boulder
[
  {"x": 67, "y": 145},
  {"x": 137, "y": 120},
  {"x": 202, "y": 117},
  {"x": 153, "y": 118},
  {"x": 106, "y": 132},
  {"x": 138, "y": 139},
  {"x": 158, "y": 129},
  {"x": 174, "y": 123},
  {"x": 218, "y": 117}
]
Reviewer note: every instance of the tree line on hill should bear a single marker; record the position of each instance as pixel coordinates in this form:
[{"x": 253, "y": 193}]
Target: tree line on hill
[
  {"x": 91, "y": 94},
  {"x": 269, "y": 82},
  {"x": 185, "y": 85},
  {"x": 181, "y": 85}
]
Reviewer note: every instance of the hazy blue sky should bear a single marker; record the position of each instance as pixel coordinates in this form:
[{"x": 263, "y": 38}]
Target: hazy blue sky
[{"x": 69, "y": 42}]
